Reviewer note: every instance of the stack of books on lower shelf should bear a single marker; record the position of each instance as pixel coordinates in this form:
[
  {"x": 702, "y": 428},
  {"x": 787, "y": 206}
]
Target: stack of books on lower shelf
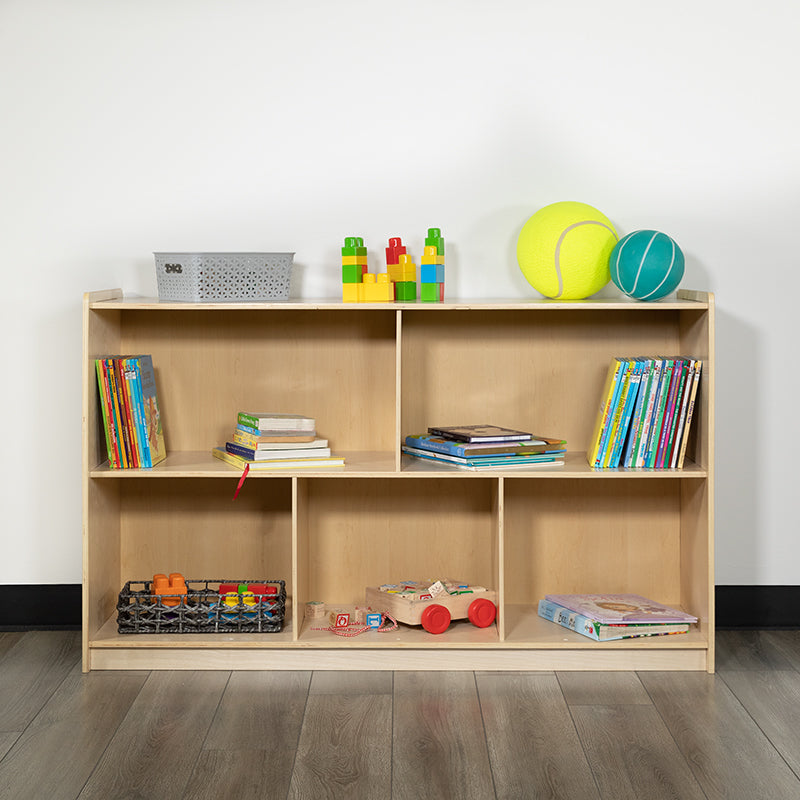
[
  {"x": 265, "y": 441},
  {"x": 485, "y": 447},
  {"x": 604, "y": 617},
  {"x": 645, "y": 413}
]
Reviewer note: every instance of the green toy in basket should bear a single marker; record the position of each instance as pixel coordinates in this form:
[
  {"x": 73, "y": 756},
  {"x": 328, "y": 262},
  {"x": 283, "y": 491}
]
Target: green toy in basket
[
  {"x": 563, "y": 250},
  {"x": 646, "y": 265}
]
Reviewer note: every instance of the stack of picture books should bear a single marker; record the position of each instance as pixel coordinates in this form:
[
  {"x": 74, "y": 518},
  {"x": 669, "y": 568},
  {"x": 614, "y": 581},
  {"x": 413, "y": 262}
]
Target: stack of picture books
[
  {"x": 645, "y": 413},
  {"x": 131, "y": 416},
  {"x": 604, "y": 617},
  {"x": 276, "y": 441},
  {"x": 485, "y": 447}
]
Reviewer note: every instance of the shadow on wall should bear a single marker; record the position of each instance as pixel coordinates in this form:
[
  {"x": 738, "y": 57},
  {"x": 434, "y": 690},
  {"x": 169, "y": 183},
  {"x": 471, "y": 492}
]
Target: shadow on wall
[{"x": 738, "y": 467}]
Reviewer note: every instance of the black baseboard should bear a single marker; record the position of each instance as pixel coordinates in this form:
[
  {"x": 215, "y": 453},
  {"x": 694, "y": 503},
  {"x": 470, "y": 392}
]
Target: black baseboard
[
  {"x": 757, "y": 607},
  {"x": 46, "y": 606},
  {"x": 58, "y": 605}
]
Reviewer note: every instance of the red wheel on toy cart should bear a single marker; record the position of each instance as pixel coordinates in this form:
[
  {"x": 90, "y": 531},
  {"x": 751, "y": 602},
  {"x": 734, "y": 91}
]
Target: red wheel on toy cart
[
  {"x": 482, "y": 612},
  {"x": 435, "y": 619}
]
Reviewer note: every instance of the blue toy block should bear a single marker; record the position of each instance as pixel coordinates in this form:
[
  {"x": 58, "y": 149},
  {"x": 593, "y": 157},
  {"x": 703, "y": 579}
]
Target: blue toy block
[{"x": 432, "y": 273}]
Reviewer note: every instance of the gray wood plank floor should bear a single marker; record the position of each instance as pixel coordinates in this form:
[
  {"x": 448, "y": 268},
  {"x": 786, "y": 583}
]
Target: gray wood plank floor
[{"x": 431, "y": 736}]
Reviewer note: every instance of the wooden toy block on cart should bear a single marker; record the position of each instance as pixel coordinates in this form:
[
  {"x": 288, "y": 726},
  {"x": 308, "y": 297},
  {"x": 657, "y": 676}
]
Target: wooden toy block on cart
[{"x": 434, "y": 605}]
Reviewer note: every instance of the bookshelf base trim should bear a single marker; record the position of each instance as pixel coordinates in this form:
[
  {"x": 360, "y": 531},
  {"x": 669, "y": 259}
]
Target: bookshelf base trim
[{"x": 299, "y": 658}]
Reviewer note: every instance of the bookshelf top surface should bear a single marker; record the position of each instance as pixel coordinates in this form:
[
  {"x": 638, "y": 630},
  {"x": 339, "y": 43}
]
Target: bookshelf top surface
[{"x": 114, "y": 299}]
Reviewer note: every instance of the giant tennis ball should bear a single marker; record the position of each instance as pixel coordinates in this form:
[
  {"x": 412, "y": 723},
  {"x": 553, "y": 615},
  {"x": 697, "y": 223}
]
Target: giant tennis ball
[
  {"x": 646, "y": 265},
  {"x": 563, "y": 250}
]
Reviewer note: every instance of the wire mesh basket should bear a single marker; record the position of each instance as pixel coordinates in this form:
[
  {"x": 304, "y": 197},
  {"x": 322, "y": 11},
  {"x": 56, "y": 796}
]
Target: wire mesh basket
[
  {"x": 205, "y": 608},
  {"x": 223, "y": 277}
]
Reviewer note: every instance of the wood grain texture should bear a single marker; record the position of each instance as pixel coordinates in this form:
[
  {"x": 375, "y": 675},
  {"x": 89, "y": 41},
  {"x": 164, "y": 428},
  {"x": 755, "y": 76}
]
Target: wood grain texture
[
  {"x": 727, "y": 751},
  {"x": 156, "y": 746},
  {"x": 259, "y": 711},
  {"x": 31, "y": 671},
  {"x": 69, "y": 735},
  {"x": 350, "y": 683},
  {"x": 344, "y": 748},
  {"x": 633, "y": 755},
  {"x": 787, "y": 643},
  {"x": 534, "y": 749},
  {"x": 7, "y": 739},
  {"x": 7, "y": 640},
  {"x": 459, "y": 735},
  {"x": 772, "y": 698},
  {"x": 602, "y": 688},
  {"x": 239, "y": 774},
  {"x": 249, "y": 750},
  {"x": 439, "y": 747},
  {"x": 750, "y": 650}
]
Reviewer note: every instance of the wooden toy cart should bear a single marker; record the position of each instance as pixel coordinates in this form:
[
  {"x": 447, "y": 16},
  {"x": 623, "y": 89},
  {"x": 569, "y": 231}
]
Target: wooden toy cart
[{"x": 435, "y": 613}]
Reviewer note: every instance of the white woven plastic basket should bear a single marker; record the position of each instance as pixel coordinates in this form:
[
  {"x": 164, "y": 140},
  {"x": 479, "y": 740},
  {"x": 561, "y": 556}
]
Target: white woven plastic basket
[{"x": 221, "y": 277}]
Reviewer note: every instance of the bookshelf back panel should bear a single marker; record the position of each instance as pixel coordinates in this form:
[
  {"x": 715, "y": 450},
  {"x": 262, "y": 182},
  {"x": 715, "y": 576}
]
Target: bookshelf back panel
[
  {"x": 539, "y": 371},
  {"x": 575, "y": 536},
  {"x": 369, "y": 532},
  {"x": 192, "y": 527},
  {"x": 338, "y": 367}
]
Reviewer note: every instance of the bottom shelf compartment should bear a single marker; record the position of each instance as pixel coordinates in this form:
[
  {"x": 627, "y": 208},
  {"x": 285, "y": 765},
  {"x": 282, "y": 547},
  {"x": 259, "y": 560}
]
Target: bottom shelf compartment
[{"x": 531, "y": 644}]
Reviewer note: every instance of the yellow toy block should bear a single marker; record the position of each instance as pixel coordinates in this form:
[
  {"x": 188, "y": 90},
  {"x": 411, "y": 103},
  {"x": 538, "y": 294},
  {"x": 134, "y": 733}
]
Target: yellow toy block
[
  {"x": 376, "y": 288},
  {"x": 402, "y": 272},
  {"x": 351, "y": 292},
  {"x": 360, "y": 260},
  {"x": 430, "y": 256}
]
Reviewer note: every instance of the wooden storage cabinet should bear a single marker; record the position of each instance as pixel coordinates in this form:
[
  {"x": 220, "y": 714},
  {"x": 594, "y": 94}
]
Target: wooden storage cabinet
[{"x": 370, "y": 374}]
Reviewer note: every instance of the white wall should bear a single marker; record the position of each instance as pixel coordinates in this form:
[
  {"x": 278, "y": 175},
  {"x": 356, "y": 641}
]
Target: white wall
[{"x": 130, "y": 127}]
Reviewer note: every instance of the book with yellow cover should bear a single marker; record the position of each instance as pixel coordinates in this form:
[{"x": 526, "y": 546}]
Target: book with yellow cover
[{"x": 604, "y": 418}]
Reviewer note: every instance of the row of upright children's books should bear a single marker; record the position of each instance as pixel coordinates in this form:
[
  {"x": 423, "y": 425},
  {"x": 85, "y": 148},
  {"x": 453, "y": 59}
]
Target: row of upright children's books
[
  {"x": 645, "y": 413},
  {"x": 129, "y": 406}
]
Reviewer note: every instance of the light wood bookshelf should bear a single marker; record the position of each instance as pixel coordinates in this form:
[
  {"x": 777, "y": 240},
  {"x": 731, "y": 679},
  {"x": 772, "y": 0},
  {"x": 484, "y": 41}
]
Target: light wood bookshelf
[{"x": 371, "y": 374}]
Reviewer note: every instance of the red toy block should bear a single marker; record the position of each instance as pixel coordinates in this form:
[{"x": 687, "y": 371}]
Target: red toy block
[{"x": 394, "y": 250}]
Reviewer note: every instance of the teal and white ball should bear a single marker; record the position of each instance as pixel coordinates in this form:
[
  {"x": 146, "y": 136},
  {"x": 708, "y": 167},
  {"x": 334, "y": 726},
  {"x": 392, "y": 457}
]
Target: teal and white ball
[{"x": 646, "y": 265}]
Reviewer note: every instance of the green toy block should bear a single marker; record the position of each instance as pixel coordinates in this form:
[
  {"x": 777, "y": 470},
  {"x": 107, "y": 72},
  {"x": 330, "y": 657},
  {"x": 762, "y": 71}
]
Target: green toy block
[
  {"x": 351, "y": 273},
  {"x": 354, "y": 246},
  {"x": 354, "y": 251},
  {"x": 437, "y": 242},
  {"x": 429, "y": 292},
  {"x": 405, "y": 291}
]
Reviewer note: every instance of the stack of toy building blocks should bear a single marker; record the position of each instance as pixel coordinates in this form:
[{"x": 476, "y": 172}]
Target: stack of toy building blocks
[
  {"x": 399, "y": 282},
  {"x": 358, "y": 285},
  {"x": 402, "y": 271},
  {"x": 432, "y": 268}
]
